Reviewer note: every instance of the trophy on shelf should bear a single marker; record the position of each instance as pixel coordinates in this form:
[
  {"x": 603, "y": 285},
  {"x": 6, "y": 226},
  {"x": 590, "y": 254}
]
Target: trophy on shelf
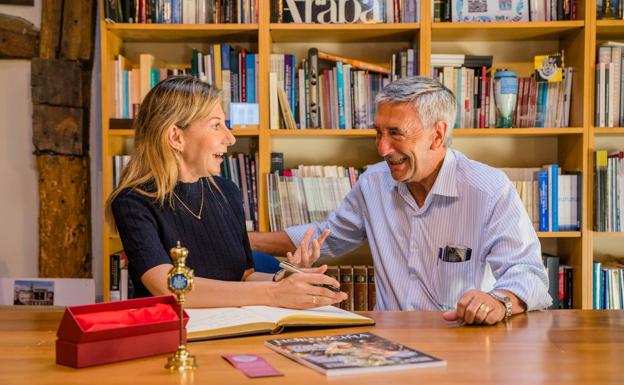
[{"x": 179, "y": 282}]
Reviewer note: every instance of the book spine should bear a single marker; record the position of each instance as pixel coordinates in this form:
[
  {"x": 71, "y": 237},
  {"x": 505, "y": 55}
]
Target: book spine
[
  {"x": 554, "y": 197},
  {"x": 346, "y": 285},
  {"x": 597, "y": 286},
  {"x": 569, "y": 288},
  {"x": 543, "y": 200},
  {"x": 371, "y": 288},
  {"x": 313, "y": 77},
  {"x": 552, "y": 269},
  {"x": 360, "y": 288},
  {"x": 115, "y": 275},
  {"x": 340, "y": 96}
]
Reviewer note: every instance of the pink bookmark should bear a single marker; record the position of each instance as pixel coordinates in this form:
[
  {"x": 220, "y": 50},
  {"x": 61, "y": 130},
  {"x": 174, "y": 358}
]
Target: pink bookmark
[{"x": 252, "y": 365}]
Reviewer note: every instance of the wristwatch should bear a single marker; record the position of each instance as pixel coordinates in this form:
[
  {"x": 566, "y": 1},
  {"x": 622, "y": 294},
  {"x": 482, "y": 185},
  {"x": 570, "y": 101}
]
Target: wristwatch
[{"x": 505, "y": 300}]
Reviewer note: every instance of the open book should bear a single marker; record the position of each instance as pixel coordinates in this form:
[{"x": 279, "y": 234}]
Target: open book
[{"x": 235, "y": 321}]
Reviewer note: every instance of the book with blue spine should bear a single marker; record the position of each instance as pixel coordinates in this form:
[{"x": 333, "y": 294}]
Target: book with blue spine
[
  {"x": 250, "y": 78},
  {"x": 176, "y": 11},
  {"x": 597, "y": 285},
  {"x": 543, "y": 200},
  {"x": 341, "y": 93}
]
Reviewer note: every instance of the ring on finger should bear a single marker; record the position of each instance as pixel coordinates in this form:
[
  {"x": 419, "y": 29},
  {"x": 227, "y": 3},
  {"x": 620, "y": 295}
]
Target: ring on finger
[
  {"x": 314, "y": 299},
  {"x": 485, "y": 308}
]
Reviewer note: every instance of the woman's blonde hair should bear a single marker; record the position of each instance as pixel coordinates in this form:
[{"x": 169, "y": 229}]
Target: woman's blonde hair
[{"x": 176, "y": 101}]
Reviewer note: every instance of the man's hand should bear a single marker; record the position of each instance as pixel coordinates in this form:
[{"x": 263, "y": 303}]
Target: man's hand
[
  {"x": 305, "y": 256},
  {"x": 477, "y": 307}
]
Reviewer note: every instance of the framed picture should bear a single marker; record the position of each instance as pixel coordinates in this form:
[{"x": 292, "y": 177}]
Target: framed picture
[
  {"x": 37, "y": 293},
  {"x": 490, "y": 10}
]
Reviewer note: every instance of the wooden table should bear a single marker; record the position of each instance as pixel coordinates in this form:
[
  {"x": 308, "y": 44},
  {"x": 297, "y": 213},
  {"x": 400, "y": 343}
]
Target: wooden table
[{"x": 552, "y": 347}]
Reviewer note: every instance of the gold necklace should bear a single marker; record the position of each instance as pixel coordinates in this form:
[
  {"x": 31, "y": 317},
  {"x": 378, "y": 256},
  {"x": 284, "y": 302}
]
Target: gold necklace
[{"x": 201, "y": 206}]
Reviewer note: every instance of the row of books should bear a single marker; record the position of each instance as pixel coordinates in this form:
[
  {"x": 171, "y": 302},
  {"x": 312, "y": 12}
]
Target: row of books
[
  {"x": 609, "y": 191},
  {"x": 560, "y": 282},
  {"x": 182, "y": 11},
  {"x": 133, "y": 82},
  {"x": 359, "y": 284},
  {"x": 538, "y": 104},
  {"x": 119, "y": 163},
  {"x": 608, "y": 277},
  {"x": 242, "y": 170},
  {"x": 552, "y": 199},
  {"x": 516, "y": 10},
  {"x": 341, "y": 11},
  {"x": 357, "y": 281},
  {"x": 336, "y": 97},
  {"x": 120, "y": 284},
  {"x": 609, "y": 100},
  {"x": 307, "y": 194},
  {"x": 230, "y": 69}
]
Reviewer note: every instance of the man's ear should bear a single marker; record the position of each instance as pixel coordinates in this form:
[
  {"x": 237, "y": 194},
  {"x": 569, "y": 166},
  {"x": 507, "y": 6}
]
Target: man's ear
[
  {"x": 439, "y": 134},
  {"x": 176, "y": 140}
]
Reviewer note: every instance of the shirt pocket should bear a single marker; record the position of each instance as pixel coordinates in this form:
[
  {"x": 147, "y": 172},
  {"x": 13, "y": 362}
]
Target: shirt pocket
[{"x": 453, "y": 279}]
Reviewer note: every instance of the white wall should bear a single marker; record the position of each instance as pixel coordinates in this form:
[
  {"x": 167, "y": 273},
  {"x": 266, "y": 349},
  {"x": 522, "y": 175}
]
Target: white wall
[{"x": 19, "y": 201}]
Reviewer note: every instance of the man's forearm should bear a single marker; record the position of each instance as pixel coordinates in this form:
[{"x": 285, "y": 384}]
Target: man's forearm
[{"x": 275, "y": 243}]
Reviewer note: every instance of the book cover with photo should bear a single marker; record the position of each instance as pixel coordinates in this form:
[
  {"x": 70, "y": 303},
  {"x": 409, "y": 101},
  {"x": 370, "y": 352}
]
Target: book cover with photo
[{"x": 352, "y": 353}]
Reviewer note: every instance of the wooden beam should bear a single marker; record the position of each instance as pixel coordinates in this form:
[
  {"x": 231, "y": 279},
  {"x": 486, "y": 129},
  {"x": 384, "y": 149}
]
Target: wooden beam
[
  {"x": 58, "y": 130},
  {"x": 51, "y": 16},
  {"x": 18, "y": 2},
  {"x": 77, "y": 35},
  {"x": 18, "y": 38},
  {"x": 56, "y": 82},
  {"x": 64, "y": 216}
]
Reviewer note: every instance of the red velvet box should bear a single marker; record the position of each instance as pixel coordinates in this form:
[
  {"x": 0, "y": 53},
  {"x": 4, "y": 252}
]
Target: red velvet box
[{"x": 78, "y": 347}]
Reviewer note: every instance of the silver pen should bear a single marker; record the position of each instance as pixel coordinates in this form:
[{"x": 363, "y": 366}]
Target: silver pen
[{"x": 290, "y": 268}]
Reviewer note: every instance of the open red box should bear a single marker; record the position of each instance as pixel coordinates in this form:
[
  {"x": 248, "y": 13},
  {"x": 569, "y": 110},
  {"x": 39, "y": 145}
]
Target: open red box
[{"x": 92, "y": 334}]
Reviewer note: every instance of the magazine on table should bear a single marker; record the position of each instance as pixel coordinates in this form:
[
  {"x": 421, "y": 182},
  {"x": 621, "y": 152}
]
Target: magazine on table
[{"x": 352, "y": 353}]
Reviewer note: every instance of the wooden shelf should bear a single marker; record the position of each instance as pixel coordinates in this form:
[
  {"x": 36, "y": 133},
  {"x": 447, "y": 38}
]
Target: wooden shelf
[
  {"x": 609, "y": 29},
  {"x": 325, "y": 132},
  {"x": 236, "y": 132},
  {"x": 184, "y": 32},
  {"x": 609, "y": 130},
  {"x": 121, "y": 132},
  {"x": 603, "y": 234},
  {"x": 559, "y": 234},
  {"x": 517, "y": 131},
  {"x": 343, "y": 33},
  {"x": 548, "y": 30}
]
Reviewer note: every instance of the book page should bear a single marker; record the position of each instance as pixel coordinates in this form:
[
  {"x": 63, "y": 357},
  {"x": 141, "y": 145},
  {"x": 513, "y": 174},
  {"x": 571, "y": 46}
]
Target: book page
[
  {"x": 218, "y": 318},
  {"x": 275, "y": 314}
]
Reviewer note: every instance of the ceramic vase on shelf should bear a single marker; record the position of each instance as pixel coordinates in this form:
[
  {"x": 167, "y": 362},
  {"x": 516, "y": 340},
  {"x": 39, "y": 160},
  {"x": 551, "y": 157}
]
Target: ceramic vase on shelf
[{"x": 505, "y": 94}]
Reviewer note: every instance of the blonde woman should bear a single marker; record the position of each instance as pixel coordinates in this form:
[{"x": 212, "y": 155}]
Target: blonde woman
[{"x": 169, "y": 191}]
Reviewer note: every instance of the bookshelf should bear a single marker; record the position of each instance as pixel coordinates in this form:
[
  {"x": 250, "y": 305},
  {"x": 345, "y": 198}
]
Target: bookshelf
[
  {"x": 601, "y": 244},
  {"x": 512, "y": 44}
]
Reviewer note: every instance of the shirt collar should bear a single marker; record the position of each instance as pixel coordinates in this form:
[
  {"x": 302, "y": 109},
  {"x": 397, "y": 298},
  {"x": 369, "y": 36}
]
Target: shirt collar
[{"x": 446, "y": 181}]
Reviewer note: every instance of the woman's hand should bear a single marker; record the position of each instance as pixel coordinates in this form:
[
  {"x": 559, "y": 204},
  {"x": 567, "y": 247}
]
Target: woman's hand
[
  {"x": 298, "y": 291},
  {"x": 305, "y": 256}
]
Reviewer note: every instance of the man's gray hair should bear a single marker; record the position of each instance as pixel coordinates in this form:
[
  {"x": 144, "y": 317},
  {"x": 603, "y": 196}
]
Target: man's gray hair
[{"x": 431, "y": 99}]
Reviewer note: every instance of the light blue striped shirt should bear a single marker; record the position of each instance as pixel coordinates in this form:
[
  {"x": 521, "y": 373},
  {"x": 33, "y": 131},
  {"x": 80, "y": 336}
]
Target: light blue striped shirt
[{"x": 470, "y": 204}]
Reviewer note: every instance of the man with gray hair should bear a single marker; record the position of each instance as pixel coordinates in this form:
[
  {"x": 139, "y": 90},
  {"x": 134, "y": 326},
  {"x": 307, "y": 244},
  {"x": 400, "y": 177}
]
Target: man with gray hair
[{"x": 445, "y": 232}]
